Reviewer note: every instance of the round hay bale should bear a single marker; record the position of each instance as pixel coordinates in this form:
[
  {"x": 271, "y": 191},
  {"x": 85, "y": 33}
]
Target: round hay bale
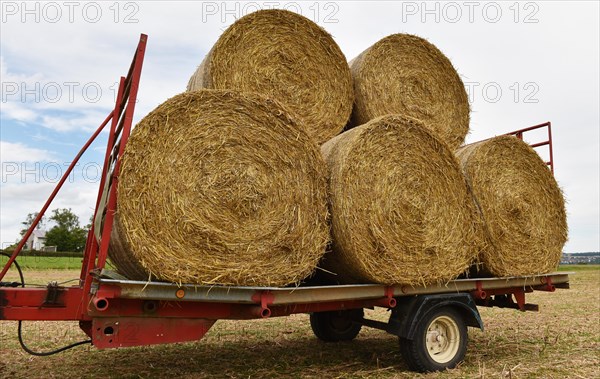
[
  {"x": 286, "y": 57},
  {"x": 521, "y": 204},
  {"x": 401, "y": 211},
  {"x": 405, "y": 74},
  {"x": 224, "y": 188}
]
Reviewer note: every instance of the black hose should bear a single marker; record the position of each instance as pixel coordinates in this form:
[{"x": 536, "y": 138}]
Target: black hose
[
  {"x": 14, "y": 284},
  {"x": 20, "y": 327},
  {"x": 46, "y": 353}
]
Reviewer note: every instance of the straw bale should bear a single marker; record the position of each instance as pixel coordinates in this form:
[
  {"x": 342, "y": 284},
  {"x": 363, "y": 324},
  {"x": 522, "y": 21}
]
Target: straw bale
[
  {"x": 521, "y": 204},
  {"x": 218, "y": 187},
  {"x": 287, "y": 57},
  {"x": 401, "y": 211},
  {"x": 405, "y": 74}
]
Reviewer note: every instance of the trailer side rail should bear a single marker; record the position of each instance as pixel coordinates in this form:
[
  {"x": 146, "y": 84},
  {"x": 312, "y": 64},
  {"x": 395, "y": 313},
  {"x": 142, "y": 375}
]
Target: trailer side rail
[{"x": 128, "y": 289}]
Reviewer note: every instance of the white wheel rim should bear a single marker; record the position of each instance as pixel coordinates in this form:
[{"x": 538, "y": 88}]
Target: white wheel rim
[{"x": 442, "y": 339}]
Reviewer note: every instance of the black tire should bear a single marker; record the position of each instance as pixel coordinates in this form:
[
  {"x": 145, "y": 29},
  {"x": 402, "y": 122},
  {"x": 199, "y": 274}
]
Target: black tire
[
  {"x": 337, "y": 325},
  {"x": 440, "y": 341}
]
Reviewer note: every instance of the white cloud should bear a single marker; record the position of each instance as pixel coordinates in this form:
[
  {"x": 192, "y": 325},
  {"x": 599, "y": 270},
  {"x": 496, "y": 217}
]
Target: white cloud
[
  {"x": 29, "y": 176},
  {"x": 18, "y": 152},
  {"x": 19, "y": 199},
  {"x": 41, "y": 138},
  {"x": 559, "y": 53},
  {"x": 18, "y": 112},
  {"x": 89, "y": 120},
  {"x": 29, "y": 99}
]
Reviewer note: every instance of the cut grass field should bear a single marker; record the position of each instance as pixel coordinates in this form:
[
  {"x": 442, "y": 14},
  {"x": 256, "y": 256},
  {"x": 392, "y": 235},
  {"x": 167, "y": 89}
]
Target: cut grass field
[
  {"x": 47, "y": 263},
  {"x": 560, "y": 341}
]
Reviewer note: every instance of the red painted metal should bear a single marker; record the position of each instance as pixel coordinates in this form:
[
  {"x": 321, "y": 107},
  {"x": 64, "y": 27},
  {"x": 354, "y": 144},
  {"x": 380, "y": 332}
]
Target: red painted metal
[
  {"x": 519, "y": 134},
  {"x": 519, "y": 295},
  {"x": 94, "y": 255},
  {"x": 509, "y": 291},
  {"x": 109, "y": 145},
  {"x": 548, "y": 286},
  {"x": 87, "y": 264},
  {"x": 92, "y": 247},
  {"x": 41, "y": 213},
  {"x": 108, "y": 292},
  {"x": 126, "y": 332},
  {"x": 86, "y": 326},
  {"x": 125, "y": 127},
  {"x": 388, "y": 301},
  {"x": 489, "y": 299},
  {"x": 264, "y": 298},
  {"x": 89, "y": 261},
  {"x": 479, "y": 293},
  {"x": 33, "y": 304},
  {"x": 505, "y": 300},
  {"x": 119, "y": 307}
]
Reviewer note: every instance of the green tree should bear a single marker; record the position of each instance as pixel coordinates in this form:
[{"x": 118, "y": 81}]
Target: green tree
[
  {"x": 11, "y": 248},
  {"x": 90, "y": 224},
  {"x": 67, "y": 234},
  {"x": 29, "y": 220}
]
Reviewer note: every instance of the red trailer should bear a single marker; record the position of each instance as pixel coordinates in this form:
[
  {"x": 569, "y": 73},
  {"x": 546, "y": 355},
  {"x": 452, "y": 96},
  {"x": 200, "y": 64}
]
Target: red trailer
[{"x": 430, "y": 321}]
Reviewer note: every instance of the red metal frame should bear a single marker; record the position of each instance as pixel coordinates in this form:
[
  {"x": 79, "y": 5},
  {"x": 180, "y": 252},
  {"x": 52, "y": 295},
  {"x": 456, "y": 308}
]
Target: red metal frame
[
  {"x": 519, "y": 134},
  {"x": 484, "y": 298},
  {"x": 113, "y": 321},
  {"x": 71, "y": 303}
]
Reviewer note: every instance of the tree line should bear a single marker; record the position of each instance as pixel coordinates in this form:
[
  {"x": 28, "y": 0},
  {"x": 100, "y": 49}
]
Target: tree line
[{"x": 67, "y": 234}]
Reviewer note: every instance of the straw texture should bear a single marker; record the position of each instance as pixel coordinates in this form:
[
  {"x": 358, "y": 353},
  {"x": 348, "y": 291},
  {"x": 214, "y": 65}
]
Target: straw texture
[
  {"x": 218, "y": 187},
  {"x": 286, "y": 57},
  {"x": 521, "y": 204},
  {"x": 401, "y": 211},
  {"x": 405, "y": 74}
]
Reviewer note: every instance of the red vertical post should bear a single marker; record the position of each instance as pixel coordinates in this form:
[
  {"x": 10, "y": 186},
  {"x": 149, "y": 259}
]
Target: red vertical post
[
  {"x": 111, "y": 139},
  {"x": 136, "y": 71},
  {"x": 91, "y": 251},
  {"x": 551, "y": 147}
]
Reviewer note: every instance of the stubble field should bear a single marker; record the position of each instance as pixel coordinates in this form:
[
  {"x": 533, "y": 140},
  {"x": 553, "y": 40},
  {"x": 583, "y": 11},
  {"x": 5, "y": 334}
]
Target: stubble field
[{"x": 560, "y": 341}]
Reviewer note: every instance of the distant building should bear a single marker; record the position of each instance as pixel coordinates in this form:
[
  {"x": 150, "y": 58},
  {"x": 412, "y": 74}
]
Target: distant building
[
  {"x": 580, "y": 258},
  {"x": 36, "y": 241}
]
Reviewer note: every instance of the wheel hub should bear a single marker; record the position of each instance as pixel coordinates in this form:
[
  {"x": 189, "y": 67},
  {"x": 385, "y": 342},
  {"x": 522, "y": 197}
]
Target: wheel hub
[{"x": 442, "y": 339}]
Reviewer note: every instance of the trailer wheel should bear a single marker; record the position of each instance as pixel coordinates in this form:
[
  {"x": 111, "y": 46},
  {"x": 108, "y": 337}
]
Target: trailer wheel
[
  {"x": 337, "y": 325},
  {"x": 440, "y": 341}
]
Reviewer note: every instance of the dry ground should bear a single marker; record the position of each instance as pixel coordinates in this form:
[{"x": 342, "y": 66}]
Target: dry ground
[{"x": 561, "y": 341}]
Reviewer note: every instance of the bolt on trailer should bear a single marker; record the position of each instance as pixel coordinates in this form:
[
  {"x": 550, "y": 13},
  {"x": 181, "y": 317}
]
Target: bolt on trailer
[{"x": 114, "y": 312}]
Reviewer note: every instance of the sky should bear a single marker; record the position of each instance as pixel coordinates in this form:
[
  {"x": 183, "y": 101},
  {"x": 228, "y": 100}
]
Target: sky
[{"x": 523, "y": 63}]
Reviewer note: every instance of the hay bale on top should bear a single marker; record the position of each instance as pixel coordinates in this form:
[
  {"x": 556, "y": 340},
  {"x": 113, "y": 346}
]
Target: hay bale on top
[
  {"x": 220, "y": 188},
  {"x": 405, "y": 74},
  {"x": 522, "y": 206},
  {"x": 286, "y": 57},
  {"x": 401, "y": 211}
]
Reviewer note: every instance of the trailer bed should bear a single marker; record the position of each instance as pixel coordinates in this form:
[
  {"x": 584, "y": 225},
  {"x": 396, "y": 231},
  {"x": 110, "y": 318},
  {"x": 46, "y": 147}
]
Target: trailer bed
[{"x": 130, "y": 289}]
